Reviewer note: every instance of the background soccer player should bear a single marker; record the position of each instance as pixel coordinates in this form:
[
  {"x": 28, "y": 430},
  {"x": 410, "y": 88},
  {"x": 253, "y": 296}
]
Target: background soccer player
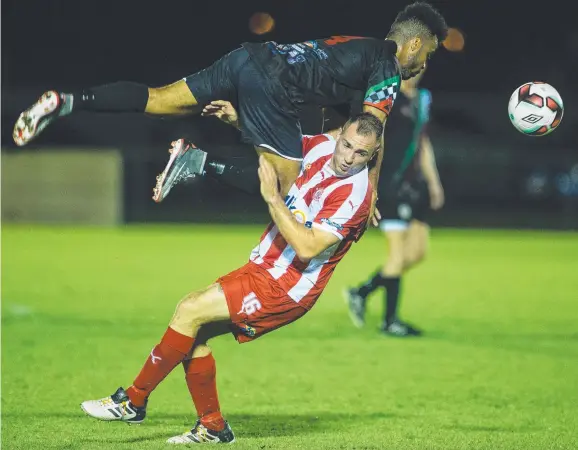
[
  {"x": 268, "y": 83},
  {"x": 325, "y": 212},
  {"x": 408, "y": 187}
]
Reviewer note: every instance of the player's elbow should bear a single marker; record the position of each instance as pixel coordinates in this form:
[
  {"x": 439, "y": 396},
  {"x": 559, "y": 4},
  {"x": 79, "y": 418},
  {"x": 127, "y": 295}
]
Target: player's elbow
[{"x": 306, "y": 252}]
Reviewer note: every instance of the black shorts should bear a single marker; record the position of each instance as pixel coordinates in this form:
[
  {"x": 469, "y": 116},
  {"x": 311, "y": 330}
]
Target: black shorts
[
  {"x": 398, "y": 207},
  {"x": 266, "y": 115}
]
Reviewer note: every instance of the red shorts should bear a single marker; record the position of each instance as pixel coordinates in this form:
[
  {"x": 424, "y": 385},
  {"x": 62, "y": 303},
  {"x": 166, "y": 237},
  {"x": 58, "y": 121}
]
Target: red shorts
[{"x": 256, "y": 303}]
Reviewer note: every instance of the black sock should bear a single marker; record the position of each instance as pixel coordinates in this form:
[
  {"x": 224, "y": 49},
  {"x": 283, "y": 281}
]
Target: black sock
[
  {"x": 392, "y": 288},
  {"x": 122, "y": 96},
  {"x": 240, "y": 175},
  {"x": 371, "y": 285}
]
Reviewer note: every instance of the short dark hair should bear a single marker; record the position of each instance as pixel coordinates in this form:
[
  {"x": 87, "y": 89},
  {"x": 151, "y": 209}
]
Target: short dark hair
[
  {"x": 367, "y": 124},
  {"x": 417, "y": 19}
]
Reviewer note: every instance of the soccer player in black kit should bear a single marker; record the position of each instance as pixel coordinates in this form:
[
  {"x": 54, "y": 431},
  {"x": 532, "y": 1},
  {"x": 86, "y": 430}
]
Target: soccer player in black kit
[
  {"x": 409, "y": 188},
  {"x": 268, "y": 83}
]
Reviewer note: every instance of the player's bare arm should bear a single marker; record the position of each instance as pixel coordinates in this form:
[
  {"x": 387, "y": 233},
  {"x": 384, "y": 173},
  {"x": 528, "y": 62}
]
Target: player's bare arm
[
  {"x": 307, "y": 242},
  {"x": 431, "y": 174}
]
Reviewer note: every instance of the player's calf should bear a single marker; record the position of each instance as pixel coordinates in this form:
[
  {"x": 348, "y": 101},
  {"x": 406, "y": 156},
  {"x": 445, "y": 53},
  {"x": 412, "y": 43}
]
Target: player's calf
[{"x": 115, "y": 407}]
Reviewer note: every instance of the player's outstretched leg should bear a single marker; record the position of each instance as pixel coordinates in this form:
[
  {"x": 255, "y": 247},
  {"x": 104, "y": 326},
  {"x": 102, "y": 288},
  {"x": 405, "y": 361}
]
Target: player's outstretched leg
[
  {"x": 186, "y": 161},
  {"x": 115, "y": 407},
  {"x": 36, "y": 118},
  {"x": 120, "y": 97}
]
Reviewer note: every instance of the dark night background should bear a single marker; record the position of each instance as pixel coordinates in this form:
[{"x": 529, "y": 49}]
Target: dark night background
[{"x": 492, "y": 174}]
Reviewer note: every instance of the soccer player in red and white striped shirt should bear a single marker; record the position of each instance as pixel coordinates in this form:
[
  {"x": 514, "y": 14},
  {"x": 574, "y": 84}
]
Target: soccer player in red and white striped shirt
[{"x": 325, "y": 212}]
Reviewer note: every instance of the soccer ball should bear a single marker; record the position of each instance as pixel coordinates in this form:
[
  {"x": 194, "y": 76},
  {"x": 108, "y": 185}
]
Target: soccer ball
[{"x": 535, "y": 108}]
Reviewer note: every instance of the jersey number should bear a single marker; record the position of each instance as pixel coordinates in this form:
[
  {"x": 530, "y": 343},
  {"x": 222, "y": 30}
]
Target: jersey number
[{"x": 251, "y": 304}]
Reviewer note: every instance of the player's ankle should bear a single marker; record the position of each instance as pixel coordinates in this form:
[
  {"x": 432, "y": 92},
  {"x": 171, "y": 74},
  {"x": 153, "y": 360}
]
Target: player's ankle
[
  {"x": 214, "y": 421},
  {"x": 137, "y": 397}
]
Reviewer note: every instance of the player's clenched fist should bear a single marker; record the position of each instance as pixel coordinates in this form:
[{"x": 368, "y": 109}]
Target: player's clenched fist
[{"x": 269, "y": 180}]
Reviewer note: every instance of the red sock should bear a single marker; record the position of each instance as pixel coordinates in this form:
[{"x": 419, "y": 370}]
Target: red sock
[
  {"x": 201, "y": 374},
  {"x": 173, "y": 348}
]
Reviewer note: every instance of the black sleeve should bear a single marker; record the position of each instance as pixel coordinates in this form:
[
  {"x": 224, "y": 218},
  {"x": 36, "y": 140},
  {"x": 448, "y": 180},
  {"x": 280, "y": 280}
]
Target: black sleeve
[{"x": 383, "y": 85}]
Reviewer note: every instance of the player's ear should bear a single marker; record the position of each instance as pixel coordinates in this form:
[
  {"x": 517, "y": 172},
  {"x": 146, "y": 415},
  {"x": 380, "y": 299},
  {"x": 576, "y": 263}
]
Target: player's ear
[{"x": 414, "y": 45}]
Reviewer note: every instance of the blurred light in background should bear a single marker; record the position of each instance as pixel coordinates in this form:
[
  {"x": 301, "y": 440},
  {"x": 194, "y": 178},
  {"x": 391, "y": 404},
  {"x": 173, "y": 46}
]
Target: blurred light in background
[
  {"x": 261, "y": 23},
  {"x": 454, "y": 41}
]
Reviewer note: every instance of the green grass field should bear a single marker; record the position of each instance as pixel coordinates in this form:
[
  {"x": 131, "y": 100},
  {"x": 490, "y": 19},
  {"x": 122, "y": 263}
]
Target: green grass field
[{"x": 498, "y": 368}]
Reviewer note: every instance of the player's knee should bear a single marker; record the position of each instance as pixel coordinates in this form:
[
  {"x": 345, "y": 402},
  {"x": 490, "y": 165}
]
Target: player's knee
[
  {"x": 201, "y": 350},
  {"x": 413, "y": 256},
  {"x": 190, "y": 311}
]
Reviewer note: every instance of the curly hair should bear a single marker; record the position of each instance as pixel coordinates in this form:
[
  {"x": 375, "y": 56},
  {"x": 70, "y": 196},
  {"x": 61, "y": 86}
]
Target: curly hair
[{"x": 419, "y": 19}]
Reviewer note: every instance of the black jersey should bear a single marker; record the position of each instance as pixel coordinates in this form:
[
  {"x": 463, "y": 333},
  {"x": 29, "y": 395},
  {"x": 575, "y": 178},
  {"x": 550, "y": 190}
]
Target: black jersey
[
  {"x": 403, "y": 133},
  {"x": 326, "y": 72}
]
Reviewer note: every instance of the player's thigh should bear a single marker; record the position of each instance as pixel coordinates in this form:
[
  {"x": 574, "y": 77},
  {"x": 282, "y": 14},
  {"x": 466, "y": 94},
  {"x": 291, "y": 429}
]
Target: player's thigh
[
  {"x": 218, "y": 81},
  {"x": 202, "y": 307},
  {"x": 287, "y": 170},
  {"x": 266, "y": 115},
  {"x": 417, "y": 241},
  {"x": 395, "y": 242},
  {"x": 173, "y": 98},
  {"x": 394, "y": 226}
]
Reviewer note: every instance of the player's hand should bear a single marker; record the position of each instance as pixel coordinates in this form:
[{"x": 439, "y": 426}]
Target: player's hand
[
  {"x": 222, "y": 110},
  {"x": 436, "y": 196},
  {"x": 374, "y": 214},
  {"x": 269, "y": 181}
]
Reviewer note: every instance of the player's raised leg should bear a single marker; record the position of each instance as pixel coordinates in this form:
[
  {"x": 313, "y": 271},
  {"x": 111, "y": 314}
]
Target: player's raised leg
[
  {"x": 194, "y": 311},
  {"x": 119, "y": 97}
]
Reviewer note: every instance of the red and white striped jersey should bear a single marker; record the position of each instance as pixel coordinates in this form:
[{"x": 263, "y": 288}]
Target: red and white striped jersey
[{"x": 323, "y": 200}]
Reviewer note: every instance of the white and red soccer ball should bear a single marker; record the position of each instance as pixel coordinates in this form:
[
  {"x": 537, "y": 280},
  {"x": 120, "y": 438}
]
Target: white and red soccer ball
[{"x": 535, "y": 108}]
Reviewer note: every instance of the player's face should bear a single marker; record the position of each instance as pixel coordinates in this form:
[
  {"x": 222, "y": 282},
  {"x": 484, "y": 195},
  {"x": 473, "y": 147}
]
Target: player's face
[
  {"x": 353, "y": 151},
  {"x": 414, "y": 55}
]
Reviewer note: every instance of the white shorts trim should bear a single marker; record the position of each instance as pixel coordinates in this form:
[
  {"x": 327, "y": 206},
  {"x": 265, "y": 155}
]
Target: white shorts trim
[
  {"x": 393, "y": 225},
  {"x": 278, "y": 153}
]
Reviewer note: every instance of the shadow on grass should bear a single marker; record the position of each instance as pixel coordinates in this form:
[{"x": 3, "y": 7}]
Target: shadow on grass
[{"x": 244, "y": 425}]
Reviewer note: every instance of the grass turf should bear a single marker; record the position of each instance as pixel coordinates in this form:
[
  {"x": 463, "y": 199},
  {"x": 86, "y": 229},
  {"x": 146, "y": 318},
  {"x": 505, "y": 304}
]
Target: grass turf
[{"x": 497, "y": 369}]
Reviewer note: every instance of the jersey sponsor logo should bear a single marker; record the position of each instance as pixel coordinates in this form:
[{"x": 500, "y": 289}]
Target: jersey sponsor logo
[
  {"x": 331, "y": 224},
  {"x": 299, "y": 215},
  {"x": 298, "y": 53}
]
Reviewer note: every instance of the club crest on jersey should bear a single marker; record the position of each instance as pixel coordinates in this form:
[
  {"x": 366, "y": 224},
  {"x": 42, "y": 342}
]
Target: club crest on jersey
[
  {"x": 307, "y": 166},
  {"x": 317, "y": 195}
]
